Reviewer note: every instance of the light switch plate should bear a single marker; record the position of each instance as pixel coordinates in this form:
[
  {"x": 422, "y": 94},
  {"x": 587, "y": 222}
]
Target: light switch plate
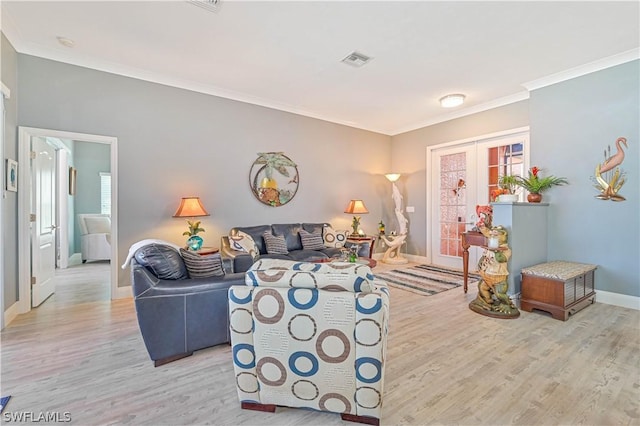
[{"x": 411, "y": 209}]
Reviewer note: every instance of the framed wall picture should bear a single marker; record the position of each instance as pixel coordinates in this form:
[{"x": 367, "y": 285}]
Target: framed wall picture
[
  {"x": 12, "y": 175},
  {"x": 73, "y": 174},
  {"x": 274, "y": 178}
]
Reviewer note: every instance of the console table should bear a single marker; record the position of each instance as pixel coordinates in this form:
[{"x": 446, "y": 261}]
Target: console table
[{"x": 470, "y": 238}]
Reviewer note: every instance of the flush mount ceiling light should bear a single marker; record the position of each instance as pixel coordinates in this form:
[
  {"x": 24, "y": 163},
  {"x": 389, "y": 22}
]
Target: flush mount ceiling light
[
  {"x": 66, "y": 42},
  {"x": 451, "y": 101},
  {"x": 356, "y": 59}
]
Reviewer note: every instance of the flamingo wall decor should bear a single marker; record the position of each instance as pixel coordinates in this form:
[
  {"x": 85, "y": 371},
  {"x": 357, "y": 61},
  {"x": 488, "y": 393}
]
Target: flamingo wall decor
[{"x": 609, "y": 176}]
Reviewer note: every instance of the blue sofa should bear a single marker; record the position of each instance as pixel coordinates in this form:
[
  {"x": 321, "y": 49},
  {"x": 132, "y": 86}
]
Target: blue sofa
[
  {"x": 242, "y": 261},
  {"x": 178, "y": 315}
]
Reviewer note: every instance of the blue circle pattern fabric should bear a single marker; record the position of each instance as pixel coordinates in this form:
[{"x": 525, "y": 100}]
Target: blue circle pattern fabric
[{"x": 321, "y": 345}]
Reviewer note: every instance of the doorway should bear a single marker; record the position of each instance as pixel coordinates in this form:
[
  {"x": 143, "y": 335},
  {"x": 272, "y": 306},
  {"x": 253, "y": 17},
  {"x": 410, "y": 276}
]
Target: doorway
[
  {"x": 461, "y": 175},
  {"x": 28, "y": 172}
]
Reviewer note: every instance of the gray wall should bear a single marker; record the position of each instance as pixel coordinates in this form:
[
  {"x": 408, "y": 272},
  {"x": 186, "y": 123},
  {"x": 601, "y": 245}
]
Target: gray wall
[
  {"x": 10, "y": 204},
  {"x": 90, "y": 159},
  {"x": 571, "y": 125},
  {"x": 409, "y": 157},
  {"x": 174, "y": 143}
]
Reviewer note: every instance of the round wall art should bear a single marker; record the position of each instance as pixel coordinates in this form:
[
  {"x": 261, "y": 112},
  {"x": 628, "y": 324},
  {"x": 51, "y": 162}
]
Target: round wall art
[{"x": 273, "y": 178}]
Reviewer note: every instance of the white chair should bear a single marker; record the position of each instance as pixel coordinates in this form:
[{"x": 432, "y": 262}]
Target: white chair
[{"x": 95, "y": 236}]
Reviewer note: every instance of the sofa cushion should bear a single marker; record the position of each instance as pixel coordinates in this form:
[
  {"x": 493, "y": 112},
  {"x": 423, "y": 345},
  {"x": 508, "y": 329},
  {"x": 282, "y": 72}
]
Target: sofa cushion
[
  {"x": 162, "y": 261},
  {"x": 255, "y": 232},
  {"x": 291, "y": 234},
  {"x": 276, "y": 244},
  {"x": 333, "y": 238},
  {"x": 314, "y": 227},
  {"x": 311, "y": 241},
  {"x": 242, "y": 241},
  {"x": 202, "y": 266}
]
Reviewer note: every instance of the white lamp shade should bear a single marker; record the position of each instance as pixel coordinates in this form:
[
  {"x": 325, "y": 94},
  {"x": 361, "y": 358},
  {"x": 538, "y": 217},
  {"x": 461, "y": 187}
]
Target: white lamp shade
[{"x": 392, "y": 176}]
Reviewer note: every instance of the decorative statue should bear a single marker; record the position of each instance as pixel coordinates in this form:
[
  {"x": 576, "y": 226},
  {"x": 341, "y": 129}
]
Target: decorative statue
[
  {"x": 394, "y": 243},
  {"x": 492, "y": 299},
  {"x": 485, "y": 218},
  {"x": 608, "y": 181}
]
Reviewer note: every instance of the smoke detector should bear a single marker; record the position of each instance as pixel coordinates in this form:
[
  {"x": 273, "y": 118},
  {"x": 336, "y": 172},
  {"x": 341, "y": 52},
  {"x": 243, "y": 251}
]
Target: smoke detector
[
  {"x": 356, "y": 59},
  {"x": 210, "y": 5}
]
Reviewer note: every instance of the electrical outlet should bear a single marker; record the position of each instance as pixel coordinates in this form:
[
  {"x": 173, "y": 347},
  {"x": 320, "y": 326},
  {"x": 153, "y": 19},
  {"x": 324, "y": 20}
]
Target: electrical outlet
[{"x": 411, "y": 209}]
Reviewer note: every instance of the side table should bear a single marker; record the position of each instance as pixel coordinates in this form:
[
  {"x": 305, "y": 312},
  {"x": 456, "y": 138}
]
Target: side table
[
  {"x": 207, "y": 250},
  {"x": 364, "y": 239},
  {"x": 470, "y": 238}
]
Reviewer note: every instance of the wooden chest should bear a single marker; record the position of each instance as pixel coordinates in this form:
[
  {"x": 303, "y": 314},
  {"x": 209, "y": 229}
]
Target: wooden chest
[{"x": 560, "y": 288}]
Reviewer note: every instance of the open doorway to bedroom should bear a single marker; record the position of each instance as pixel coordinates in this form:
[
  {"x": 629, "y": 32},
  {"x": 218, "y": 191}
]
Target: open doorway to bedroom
[{"x": 67, "y": 218}]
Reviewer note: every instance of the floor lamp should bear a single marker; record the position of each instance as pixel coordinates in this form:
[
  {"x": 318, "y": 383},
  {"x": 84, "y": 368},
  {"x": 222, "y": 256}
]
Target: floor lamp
[{"x": 394, "y": 243}]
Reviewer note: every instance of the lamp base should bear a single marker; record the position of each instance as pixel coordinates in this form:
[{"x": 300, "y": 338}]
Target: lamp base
[{"x": 194, "y": 243}]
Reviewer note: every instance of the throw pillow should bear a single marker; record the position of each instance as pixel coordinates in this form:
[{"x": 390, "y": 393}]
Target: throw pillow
[
  {"x": 333, "y": 238},
  {"x": 163, "y": 261},
  {"x": 242, "y": 241},
  {"x": 311, "y": 240},
  {"x": 275, "y": 243},
  {"x": 202, "y": 266}
]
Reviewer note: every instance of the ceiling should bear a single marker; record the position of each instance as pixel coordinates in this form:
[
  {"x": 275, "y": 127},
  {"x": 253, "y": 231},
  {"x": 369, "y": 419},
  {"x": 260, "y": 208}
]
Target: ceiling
[{"x": 286, "y": 55}]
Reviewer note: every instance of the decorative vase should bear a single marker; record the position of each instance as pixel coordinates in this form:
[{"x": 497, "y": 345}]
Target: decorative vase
[
  {"x": 194, "y": 243},
  {"x": 534, "y": 198},
  {"x": 508, "y": 198}
]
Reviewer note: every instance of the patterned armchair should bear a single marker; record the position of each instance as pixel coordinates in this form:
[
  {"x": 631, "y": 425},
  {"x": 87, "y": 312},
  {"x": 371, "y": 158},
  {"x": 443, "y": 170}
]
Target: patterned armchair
[{"x": 310, "y": 335}]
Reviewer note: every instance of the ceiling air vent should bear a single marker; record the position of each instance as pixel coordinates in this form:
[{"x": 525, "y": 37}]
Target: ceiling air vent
[
  {"x": 356, "y": 59},
  {"x": 210, "y": 5}
]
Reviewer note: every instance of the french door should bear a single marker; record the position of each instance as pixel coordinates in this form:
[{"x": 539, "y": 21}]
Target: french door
[
  {"x": 454, "y": 200},
  {"x": 462, "y": 176}
]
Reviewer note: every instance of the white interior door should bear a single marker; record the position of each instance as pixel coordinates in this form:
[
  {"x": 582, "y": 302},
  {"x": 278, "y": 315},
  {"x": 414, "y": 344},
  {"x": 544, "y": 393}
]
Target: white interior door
[
  {"x": 43, "y": 244},
  {"x": 454, "y": 193}
]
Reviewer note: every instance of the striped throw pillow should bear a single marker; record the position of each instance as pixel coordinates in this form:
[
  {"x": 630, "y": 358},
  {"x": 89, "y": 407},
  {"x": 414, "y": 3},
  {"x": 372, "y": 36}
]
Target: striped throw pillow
[
  {"x": 275, "y": 243},
  {"x": 311, "y": 240},
  {"x": 202, "y": 266}
]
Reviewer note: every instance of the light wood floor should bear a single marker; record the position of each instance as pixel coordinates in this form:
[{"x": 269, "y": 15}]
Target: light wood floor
[{"x": 82, "y": 354}]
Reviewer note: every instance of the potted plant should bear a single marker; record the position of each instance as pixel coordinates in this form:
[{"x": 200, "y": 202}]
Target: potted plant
[
  {"x": 536, "y": 185},
  {"x": 508, "y": 185},
  {"x": 194, "y": 242}
]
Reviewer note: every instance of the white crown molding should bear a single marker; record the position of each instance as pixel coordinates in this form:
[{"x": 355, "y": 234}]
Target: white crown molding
[
  {"x": 599, "y": 65},
  {"x": 65, "y": 55},
  {"x": 506, "y": 100}
]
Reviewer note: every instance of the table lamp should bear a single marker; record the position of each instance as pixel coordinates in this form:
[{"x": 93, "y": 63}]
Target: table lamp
[
  {"x": 356, "y": 207},
  {"x": 191, "y": 207}
]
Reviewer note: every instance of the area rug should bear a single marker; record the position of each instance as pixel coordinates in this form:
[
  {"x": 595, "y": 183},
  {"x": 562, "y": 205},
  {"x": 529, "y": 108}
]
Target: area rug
[{"x": 426, "y": 280}]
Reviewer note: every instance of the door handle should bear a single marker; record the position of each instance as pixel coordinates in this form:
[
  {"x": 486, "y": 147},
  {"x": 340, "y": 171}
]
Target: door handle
[{"x": 54, "y": 227}]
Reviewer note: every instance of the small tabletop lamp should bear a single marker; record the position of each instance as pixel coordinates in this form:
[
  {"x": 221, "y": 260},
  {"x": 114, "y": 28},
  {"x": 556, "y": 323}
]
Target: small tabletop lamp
[
  {"x": 191, "y": 207},
  {"x": 356, "y": 207}
]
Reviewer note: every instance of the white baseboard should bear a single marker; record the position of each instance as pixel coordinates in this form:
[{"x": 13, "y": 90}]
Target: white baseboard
[
  {"x": 11, "y": 313},
  {"x": 123, "y": 293},
  {"x": 617, "y": 299}
]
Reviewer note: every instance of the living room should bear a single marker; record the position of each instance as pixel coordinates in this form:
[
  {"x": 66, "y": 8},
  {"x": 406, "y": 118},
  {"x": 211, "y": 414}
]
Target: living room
[{"x": 174, "y": 142}]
